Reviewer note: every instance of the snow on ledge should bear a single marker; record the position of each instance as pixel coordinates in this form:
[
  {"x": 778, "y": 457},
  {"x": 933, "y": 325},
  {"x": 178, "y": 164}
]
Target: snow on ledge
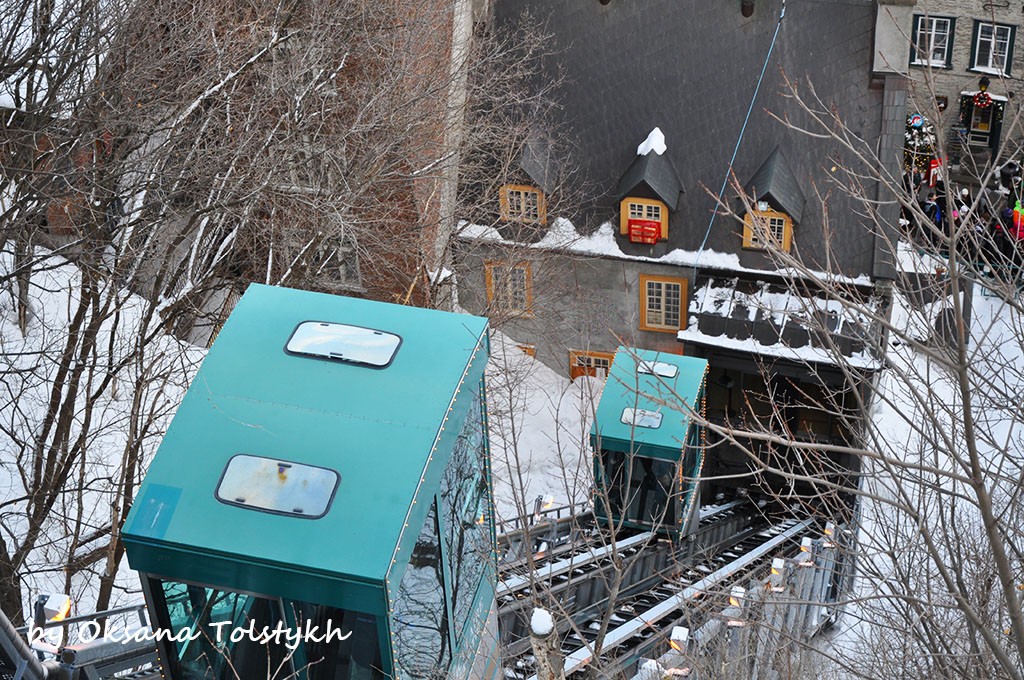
[
  {"x": 655, "y": 142},
  {"x": 541, "y": 623},
  {"x": 995, "y": 97},
  {"x": 562, "y": 235},
  {"x": 801, "y": 354}
]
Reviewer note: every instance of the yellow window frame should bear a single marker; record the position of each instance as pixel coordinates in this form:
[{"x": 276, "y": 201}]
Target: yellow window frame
[
  {"x": 506, "y": 202},
  {"x": 624, "y": 213},
  {"x": 528, "y": 349},
  {"x": 648, "y": 325},
  {"x": 499, "y": 273},
  {"x": 586, "y": 366},
  {"x": 764, "y": 217}
]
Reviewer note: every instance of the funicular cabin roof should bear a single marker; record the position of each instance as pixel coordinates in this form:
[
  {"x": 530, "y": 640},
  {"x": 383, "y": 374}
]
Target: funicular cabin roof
[
  {"x": 628, "y": 388},
  {"x": 375, "y": 426}
]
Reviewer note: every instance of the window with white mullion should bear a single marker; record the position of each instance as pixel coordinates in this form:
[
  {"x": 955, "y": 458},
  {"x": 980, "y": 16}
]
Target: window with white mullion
[
  {"x": 516, "y": 293},
  {"x": 524, "y": 205},
  {"x": 933, "y": 38},
  {"x": 644, "y": 211},
  {"x": 992, "y": 49},
  {"x": 663, "y": 304}
]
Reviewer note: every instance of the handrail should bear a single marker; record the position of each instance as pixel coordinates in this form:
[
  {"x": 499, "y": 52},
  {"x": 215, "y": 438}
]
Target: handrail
[{"x": 84, "y": 617}]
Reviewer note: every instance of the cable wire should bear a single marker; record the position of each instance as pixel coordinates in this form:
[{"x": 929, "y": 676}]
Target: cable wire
[{"x": 735, "y": 151}]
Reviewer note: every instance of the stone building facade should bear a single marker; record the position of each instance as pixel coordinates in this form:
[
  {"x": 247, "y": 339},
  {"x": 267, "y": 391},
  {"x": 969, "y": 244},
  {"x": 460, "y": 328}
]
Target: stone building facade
[{"x": 964, "y": 61}]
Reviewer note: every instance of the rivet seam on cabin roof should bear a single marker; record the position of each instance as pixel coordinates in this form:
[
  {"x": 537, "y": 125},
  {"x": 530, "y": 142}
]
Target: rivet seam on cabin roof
[
  {"x": 423, "y": 472},
  {"x": 306, "y": 409}
]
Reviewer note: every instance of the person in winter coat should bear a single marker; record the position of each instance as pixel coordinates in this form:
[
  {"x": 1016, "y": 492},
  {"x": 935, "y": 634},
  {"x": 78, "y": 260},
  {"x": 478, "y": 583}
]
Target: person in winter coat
[
  {"x": 1003, "y": 238},
  {"x": 1016, "y": 234},
  {"x": 933, "y": 211}
]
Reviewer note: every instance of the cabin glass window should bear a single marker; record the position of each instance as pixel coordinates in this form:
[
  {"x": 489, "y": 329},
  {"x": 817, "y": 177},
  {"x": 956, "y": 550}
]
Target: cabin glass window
[
  {"x": 420, "y": 615},
  {"x": 201, "y": 621},
  {"x": 466, "y": 501},
  {"x": 640, "y": 490},
  {"x": 344, "y": 646},
  {"x": 658, "y": 368},
  {"x": 641, "y": 417}
]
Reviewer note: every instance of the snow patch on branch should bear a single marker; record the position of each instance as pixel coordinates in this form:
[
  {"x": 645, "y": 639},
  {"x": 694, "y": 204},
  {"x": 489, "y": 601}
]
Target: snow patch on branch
[{"x": 541, "y": 623}]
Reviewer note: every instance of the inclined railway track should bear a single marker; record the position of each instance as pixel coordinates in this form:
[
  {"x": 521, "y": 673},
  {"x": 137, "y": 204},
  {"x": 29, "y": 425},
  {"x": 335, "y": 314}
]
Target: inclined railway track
[
  {"x": 641, "y": 624},
  {"x": 577, "y": 581}
]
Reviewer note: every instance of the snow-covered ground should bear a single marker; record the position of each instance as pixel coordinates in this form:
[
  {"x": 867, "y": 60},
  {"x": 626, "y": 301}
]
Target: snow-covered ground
[
  {"x": 921, "y": 517},
  {"x": 539, "y": 424},
  {"x": 131, "y": 381}
]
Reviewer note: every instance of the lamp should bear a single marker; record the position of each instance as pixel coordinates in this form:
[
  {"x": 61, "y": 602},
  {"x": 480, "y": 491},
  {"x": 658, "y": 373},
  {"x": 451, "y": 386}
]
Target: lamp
[
  {"x": 747, "y": 7},
  {"x": 680, "y": 636},
  {"x": 983, "y": 83}
]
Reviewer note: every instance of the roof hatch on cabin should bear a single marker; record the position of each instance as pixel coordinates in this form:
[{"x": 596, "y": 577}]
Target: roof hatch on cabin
[
  {"x": 648, "y": 191},
  {"x": 342, "y": 342},
  {"x": 277, "y": 486}
]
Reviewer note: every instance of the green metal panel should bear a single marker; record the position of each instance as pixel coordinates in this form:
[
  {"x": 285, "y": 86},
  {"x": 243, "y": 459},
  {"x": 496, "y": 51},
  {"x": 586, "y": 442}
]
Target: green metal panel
[
  {"x": 672, "y": 397},
  {"x": 375, "y": 427}
]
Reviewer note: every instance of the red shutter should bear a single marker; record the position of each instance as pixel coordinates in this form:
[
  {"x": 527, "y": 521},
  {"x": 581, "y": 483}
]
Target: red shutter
[{"x": 644, "y": 231}]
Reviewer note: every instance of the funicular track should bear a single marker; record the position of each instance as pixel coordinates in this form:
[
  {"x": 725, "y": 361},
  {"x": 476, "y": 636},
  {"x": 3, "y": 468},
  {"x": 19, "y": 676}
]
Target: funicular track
[
  {"x": 641, "y": 622},
  {"x": 576, "y": 582}
]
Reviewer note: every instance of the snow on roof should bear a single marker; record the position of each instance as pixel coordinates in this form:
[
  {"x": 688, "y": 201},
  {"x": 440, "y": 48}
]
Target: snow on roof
[
  {"x": 718, "y": 297},
  {"x": 995, "y": 97},
  {"x": 655, "y": 142},
  {"x": 800, "y": 354},
  {"x": 911, "y": 261},
  {"x": 562, "y": 235}
]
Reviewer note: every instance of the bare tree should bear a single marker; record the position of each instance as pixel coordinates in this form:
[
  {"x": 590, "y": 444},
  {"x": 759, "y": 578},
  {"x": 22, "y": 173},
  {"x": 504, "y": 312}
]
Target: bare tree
[
  {"x": 929, "y": 476},
  {"x": 179, "y": 151}
]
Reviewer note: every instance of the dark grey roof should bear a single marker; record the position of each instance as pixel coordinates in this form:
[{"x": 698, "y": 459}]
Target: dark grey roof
[
  {"x": 690, "y": 67},
  {"x": 537, "y": 161},
  {"x": 776, "y": 182},
  {"x": 657, "y": 172}
]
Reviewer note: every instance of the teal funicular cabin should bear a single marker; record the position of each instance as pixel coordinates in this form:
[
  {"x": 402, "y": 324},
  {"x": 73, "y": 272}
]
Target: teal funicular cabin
[
  {"x": 328, "y": 467},
  {"x": 648, "y": 452}
]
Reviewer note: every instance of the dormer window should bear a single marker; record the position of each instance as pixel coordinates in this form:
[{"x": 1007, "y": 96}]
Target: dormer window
[
  {"x": 522, "y": 203},
  {"x": 766, "y": 228},
  {"x": 648, "y": 191},
  {"x": 778, "y": 204}
]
